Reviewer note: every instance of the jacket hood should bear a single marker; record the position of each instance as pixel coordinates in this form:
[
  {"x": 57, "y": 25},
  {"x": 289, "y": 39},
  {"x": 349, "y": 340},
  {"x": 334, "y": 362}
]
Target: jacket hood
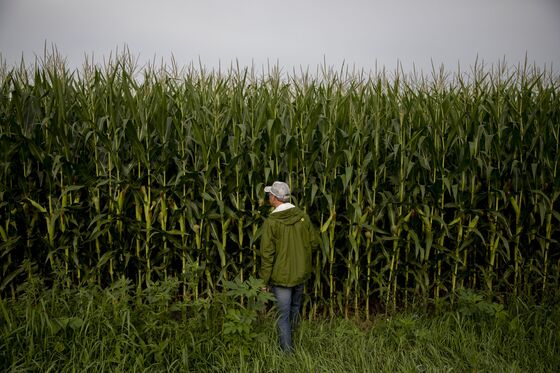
[{"x": 288, "y": 217}]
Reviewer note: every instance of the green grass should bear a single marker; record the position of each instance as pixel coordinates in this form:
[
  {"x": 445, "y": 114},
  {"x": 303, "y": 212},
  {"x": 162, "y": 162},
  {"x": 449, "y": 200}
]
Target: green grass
[{"x": 118, "y": 329}]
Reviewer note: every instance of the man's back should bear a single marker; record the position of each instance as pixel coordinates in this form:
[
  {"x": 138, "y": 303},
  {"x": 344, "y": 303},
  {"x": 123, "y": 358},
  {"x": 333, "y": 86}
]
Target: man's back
[{"x": 286, "y": 245}]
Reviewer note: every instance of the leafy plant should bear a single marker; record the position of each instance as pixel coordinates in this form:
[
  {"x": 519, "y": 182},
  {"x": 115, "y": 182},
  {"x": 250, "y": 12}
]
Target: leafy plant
[
  {"x": 244, "y": 302},
  {"x": 475, "y": 305}
]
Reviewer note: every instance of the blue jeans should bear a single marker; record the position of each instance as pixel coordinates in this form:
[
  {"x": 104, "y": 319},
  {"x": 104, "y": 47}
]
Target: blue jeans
[{"x": 288, "y": 302}]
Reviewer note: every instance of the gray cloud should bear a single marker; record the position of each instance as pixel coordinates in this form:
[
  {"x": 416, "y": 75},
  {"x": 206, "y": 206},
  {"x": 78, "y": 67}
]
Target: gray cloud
[{"x": 293, "y": 32}]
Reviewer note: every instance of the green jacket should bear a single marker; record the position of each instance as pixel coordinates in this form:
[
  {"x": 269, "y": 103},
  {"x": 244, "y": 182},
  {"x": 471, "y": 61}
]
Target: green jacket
[{"x": 288, "y": 238}]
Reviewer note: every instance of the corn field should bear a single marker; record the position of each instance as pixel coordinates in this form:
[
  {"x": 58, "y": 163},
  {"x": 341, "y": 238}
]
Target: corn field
[{"x": 420, "y": 185}]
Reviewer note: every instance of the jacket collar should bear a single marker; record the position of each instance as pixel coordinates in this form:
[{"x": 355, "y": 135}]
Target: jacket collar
[{"x": 283, "y": 207}]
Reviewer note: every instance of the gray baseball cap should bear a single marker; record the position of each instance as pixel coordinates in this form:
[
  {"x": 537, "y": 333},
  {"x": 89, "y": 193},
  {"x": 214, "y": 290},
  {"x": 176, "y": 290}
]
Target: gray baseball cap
[{"x": 280, "y": 190}]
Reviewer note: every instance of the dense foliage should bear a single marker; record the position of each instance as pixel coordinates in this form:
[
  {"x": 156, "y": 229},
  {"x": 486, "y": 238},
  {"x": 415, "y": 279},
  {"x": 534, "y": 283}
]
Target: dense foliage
[
  {"x": 420, "y": 186},
  {"x": 116, "y": 329}
]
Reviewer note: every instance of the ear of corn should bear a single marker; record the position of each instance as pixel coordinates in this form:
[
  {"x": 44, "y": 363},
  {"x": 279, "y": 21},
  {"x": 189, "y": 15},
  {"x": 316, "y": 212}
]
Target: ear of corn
[{"x": 420, "y": 186}]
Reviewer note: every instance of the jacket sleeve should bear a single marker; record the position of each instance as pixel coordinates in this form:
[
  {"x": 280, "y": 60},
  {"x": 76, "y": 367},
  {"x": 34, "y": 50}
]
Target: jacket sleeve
[{"x": 268, "y": 250}]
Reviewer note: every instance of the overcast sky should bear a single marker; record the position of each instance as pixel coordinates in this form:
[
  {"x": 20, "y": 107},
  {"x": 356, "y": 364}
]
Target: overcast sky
[{"x": 296, "y": 33}]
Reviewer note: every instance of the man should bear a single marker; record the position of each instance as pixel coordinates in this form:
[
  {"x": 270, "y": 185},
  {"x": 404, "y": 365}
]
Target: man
[{"x": 288, "y": 238}]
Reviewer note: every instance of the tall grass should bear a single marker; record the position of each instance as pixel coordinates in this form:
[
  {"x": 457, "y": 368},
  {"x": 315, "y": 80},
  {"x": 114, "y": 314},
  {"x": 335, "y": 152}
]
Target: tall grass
[
  {"x": 420, "y": 185},
  {"x": 119, "y": 329}
]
